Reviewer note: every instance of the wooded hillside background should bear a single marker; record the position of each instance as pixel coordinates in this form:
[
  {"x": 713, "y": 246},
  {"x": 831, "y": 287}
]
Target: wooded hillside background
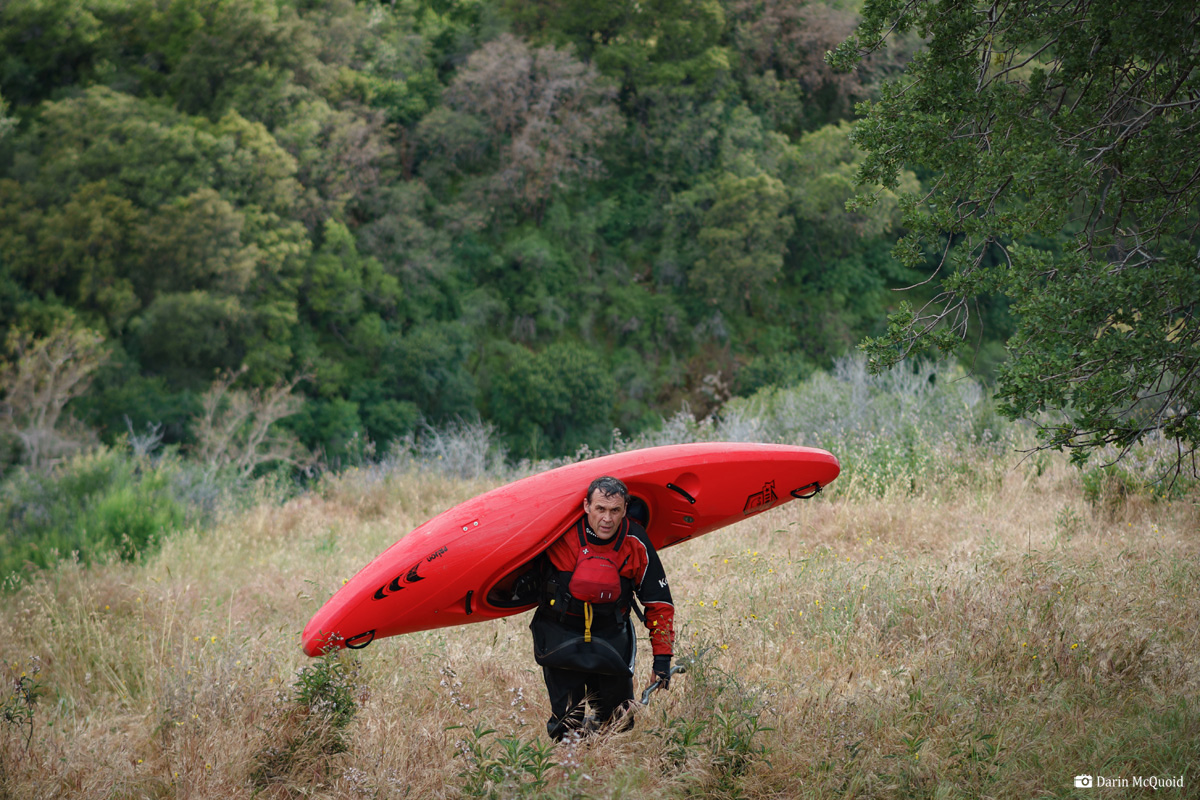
[{"x": 563, "y": 217}]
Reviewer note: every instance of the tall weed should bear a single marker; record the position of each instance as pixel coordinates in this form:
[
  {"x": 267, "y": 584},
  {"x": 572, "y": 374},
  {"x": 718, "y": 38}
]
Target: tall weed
[
  {"x": 504, "y": 768},
  {"x": 714, "y": 739},
  {"x": 308, "y": 728},
  {"x": 468, "y": 449}
]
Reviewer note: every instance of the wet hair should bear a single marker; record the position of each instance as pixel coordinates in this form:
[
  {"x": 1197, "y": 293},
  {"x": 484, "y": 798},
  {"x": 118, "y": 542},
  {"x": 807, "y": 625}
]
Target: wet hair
[{"x": 607, "y": 486}]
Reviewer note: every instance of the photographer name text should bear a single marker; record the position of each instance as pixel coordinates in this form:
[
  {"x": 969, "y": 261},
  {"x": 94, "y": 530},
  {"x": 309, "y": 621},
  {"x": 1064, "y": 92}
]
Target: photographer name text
[{"x": 1154, "y": 782}]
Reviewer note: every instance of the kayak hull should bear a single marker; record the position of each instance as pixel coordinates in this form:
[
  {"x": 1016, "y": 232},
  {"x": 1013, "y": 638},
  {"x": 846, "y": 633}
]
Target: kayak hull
[{"x": 446, "y": 571}]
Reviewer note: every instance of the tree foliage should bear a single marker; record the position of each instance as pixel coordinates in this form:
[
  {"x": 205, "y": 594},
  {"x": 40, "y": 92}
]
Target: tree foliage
[
  {"x": 562, "y": 217},
  {"x": 562, "y": 396},
  {"x": 6, "y": 122},
  {"x": 1061, "y": 137},
  {"x": 782, "y": 44},
  {"x": 741, "y": 230},
  {"x": 544, "y": 114},
  {"x": 642, "y": 43}
]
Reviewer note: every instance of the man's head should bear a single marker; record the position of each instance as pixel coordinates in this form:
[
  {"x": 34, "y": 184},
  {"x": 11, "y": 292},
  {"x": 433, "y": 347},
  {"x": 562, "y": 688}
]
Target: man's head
[{"x": 605, "y": 506}]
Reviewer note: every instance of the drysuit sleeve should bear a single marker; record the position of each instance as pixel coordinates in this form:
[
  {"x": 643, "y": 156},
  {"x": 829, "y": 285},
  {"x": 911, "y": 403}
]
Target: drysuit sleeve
[{"x": 655, "y": 594}]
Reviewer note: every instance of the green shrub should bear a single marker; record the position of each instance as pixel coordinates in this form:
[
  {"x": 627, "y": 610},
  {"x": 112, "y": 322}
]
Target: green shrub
[
  {"x": 18, "y": 704},
  {"x": 132, "y": 517},
  {"x": 915, "y": 427},
  {"x": 109, "y": 501},
  {"x": 716, "y": 737},
  {"x": 1109, "y": 486},
  {"x": 326, "y": 687},
  {"x": 1149, "y": 470}
]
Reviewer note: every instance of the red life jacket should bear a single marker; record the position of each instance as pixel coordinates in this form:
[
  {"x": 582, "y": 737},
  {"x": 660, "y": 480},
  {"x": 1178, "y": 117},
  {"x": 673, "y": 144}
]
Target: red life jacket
[{"x": 597, "y": 575}]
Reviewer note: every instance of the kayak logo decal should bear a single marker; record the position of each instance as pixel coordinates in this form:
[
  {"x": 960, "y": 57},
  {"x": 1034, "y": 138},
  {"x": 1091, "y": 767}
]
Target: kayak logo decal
[
  {"x": 407, "y": 577},
  {"x": 761, "y": 500}
]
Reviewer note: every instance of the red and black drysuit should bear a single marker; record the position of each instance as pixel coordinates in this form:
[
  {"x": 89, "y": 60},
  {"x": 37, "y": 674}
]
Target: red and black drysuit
[{"x": 587, "y": 650}]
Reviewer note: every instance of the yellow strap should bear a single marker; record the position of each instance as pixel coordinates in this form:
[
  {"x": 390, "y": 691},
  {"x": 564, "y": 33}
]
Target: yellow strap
[{"x": 587, "y": 621}]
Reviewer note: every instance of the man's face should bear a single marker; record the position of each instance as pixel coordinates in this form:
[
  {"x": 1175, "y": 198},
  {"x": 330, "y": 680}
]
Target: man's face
[{"x": 604, "y": 513}]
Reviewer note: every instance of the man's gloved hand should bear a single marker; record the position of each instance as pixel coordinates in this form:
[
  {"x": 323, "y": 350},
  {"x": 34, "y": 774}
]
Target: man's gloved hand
[{"x": 662, "y": 671}]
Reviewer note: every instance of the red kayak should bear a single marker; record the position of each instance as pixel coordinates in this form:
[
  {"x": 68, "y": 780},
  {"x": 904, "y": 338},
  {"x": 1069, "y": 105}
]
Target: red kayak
[{"x": 459, "y": 566}]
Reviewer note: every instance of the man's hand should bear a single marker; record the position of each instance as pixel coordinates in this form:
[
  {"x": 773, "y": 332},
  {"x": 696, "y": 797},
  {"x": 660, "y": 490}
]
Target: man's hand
[{"x": 662, "y": 672}]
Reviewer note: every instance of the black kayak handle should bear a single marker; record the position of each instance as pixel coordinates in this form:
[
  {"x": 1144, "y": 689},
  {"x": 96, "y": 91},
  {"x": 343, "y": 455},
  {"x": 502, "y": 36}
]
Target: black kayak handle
[
  {"x": 370, "y": 638},
  {"x": 683, "y": 492},
  {"x": 799, "y": 493}
]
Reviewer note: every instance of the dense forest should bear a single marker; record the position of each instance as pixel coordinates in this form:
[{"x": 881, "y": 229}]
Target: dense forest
[{"x": 557, "y": 216}]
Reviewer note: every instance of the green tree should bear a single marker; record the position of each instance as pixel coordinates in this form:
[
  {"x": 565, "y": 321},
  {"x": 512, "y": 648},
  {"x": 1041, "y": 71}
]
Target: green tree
[
  {"x": 427, "y": 366},
  {"x": 83, "y": 252},
  {"x": 728, "y": 231},
  {"x": 122, "y": 399},
  {"x": 742, "y": 236},
  {"x": 187, "y": 335},
  {"x": 781, "y": 46},
  {"x": 220, "y": 51},
  {"x": 1061, "y": 137},
  {"x": 174, "y": 232},
  {"x": 414, "y": 238},
  {"x": 151, "y": 154},
  {"x": 551, "y": 401},
  {"x": 196, "y": 242},
  {"x": 45, "y": 45},
  {"x": 341, "y": 287},
  {"x": 642, "y": 43},
  {"x": 827, "y": 165},
  {"x": 7, "y": 123},
  {"x": 351, "y": 310},
  {"x": 546, "y": 113},
  {"x": 838, "y": 265}
]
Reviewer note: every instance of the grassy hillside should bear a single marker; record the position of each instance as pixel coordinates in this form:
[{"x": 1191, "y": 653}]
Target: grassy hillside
[
  {"x": 947, "y": 620},
  {"x": 986, "y": 640}
]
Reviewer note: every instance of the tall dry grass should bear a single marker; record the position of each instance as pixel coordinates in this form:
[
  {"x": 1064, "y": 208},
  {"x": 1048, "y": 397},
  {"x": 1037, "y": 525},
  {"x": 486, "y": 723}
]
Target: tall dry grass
[{"x": 984, "y": 639}]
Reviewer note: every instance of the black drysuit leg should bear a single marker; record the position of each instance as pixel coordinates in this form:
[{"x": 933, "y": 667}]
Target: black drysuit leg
[{"x": 569, "y": 690}]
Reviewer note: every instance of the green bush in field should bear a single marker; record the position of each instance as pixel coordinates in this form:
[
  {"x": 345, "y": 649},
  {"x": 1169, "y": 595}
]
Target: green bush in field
[
  {"x": 104, "y": 502},
  {"x": 917, "y": 425},
  {"x": 1149, "y": 470},
  {"x": 132, "y": 516}
]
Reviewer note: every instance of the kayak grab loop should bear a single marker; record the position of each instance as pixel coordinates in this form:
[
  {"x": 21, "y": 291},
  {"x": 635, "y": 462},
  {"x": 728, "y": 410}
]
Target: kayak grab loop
[
  {"x": 467, "y": 602},
  {"x": 683, "y": 492},
  {"x": 351, "y": 642},
  {"x": 812, "y": 489}
]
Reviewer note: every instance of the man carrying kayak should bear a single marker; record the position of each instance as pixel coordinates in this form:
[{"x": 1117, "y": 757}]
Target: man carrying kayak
[{"x": 582, "y": 634}]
